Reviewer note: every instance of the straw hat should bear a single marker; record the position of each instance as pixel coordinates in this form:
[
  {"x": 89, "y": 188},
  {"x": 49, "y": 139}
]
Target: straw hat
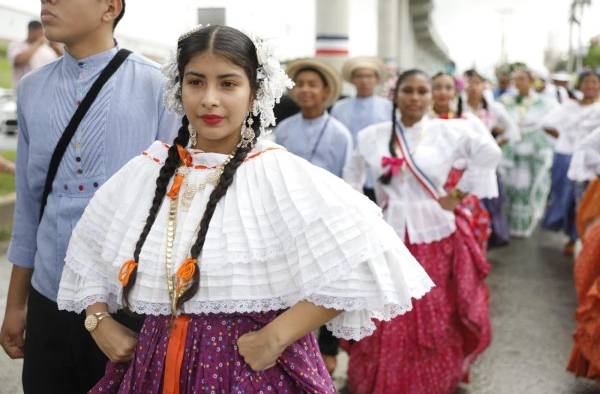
[
  {"x": 370, "y": 62},
  {"x": 328, "y": 72}
]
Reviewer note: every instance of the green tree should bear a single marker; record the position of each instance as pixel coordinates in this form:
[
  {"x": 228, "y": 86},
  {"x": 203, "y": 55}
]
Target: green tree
[{"x": 592, "y": 59}]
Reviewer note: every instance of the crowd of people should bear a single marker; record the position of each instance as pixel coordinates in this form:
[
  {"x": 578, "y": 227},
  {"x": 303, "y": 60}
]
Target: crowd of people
[{"x": 164, "y": 243}]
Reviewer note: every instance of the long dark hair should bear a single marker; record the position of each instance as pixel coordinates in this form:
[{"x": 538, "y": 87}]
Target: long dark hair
[
  {"x": 387, "y": 177},
  {"x": 239, "y": 49}
]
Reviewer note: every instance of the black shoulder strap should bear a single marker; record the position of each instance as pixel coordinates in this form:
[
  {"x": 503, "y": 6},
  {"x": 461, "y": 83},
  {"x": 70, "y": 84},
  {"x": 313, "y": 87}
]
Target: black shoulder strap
[{"x": 71, "y": 128}]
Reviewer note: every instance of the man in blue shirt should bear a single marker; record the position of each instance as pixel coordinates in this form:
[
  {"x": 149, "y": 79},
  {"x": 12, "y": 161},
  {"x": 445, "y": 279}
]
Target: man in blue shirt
[
  {"x": 126, "y": 117},
  {"x": 313, "y": 134},
  {"x": 366, "y": 108}
]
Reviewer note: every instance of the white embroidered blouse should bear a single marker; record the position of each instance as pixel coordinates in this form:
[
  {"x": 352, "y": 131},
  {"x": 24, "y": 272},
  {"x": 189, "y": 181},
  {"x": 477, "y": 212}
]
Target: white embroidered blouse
[
  {"x": 437, "y": 146},
  {"x": 285, "y": 231},
  {"x": 573, "y": 122},
  {"x": 585, "y": 163}
]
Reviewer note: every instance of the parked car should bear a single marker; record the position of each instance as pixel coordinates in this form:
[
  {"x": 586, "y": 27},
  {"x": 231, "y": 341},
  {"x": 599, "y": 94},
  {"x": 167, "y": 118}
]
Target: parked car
[{"x": 8, "y": 112}]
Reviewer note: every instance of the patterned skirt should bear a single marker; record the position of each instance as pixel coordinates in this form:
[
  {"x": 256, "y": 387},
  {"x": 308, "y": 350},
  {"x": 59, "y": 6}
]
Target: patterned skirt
[
  {"x": 526, "y": 174},
  {"x": 211, "y": 362},
  {"x": 429, "y": 350}
]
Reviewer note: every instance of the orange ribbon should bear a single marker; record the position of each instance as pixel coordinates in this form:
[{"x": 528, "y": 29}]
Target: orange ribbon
[
  {"x": 187, "y": 269},
  {"x": 126, "y": 270},
  {"x": 186, "y": 159},
  {"x": 184, "y": 155},
  {"x": 175, "y": 353},
  {"x": 172, "y": 194}
]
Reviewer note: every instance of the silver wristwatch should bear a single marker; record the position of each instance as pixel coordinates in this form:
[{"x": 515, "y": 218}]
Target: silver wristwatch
[{"x": 92, "y": 320}]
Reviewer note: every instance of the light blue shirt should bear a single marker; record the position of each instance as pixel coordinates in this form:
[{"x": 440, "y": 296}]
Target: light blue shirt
[
  {"x": 127, "y": 116},
  {"x": 324, "y": 141},
  {"x": 357, "y": 113}
]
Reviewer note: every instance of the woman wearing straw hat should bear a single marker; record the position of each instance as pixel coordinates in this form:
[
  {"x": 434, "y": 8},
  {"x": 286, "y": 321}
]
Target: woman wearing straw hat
[
  {"x": 313, "y": 134},
  {"x": 366, "y": 108}
]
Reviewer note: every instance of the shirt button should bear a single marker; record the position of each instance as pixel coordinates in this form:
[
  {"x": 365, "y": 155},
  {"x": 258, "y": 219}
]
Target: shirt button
[
  {"x": 95, "y": 184},
  {"x": 78, "y": 159},
  {"x": 80, "y": 171},
  {"x": 66, "y": 187},
  {"x": 80, "y": 188}
]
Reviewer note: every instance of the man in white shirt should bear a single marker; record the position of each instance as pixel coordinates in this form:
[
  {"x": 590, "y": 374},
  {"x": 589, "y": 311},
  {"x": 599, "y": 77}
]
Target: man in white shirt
[{"x": 36, "y": 51}]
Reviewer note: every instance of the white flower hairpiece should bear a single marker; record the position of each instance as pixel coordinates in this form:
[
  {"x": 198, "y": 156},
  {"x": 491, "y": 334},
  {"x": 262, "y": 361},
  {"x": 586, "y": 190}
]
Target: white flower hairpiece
[{"x": 272, "y": 82}]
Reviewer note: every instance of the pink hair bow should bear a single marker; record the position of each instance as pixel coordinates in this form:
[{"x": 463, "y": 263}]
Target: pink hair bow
[{"x": 394, "y": 164}]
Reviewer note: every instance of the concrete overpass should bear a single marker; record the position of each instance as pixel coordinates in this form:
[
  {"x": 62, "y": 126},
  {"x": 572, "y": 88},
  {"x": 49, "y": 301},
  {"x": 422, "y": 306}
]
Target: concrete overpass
[{"x": 406, "y": 35}]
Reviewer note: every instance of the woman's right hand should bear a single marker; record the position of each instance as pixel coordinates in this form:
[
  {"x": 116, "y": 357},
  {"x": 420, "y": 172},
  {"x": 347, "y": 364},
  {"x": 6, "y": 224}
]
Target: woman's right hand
[{"x": 115, "y": 340}]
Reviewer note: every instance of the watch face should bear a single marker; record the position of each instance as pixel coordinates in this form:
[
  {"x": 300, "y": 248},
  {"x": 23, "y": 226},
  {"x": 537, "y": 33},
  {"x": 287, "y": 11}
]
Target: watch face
[{"x": 90, "y": 323}]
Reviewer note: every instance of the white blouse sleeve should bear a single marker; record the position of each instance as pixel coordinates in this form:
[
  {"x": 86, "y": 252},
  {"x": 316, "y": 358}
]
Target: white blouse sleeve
[
  {"x": 511, "y": 130},
  {"x": 483, "y": 156},
  {"x": 355, "y": 172},
  {"x": 585, "y": 163}
]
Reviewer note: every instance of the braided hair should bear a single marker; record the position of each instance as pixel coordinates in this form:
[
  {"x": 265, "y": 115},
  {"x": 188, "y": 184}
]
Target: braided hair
[
  {"x": 387, "y": 177},
  {"x": 239, "y": 49}
]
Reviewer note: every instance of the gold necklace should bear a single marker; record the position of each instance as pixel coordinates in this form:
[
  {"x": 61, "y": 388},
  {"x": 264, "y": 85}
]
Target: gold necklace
[{"x": 174, "y": 295}]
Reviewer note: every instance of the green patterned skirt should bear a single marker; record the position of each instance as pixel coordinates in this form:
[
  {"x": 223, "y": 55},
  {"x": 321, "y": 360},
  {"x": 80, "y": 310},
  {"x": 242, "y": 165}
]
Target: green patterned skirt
[{"x": 525, "y": 171}]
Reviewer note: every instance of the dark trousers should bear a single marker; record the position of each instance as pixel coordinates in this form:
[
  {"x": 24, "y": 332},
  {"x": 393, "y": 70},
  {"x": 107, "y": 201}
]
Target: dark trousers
[{"x": 60, "y": 355}]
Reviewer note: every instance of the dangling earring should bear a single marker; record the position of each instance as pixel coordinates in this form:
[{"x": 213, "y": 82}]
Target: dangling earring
[
  {"x": 247, "y": 133},
  {"x": 193, "y": 134}
]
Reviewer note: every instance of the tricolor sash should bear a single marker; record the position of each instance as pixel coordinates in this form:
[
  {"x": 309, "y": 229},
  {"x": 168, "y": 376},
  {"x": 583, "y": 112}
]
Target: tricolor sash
[{"x": 412, "y": 165}]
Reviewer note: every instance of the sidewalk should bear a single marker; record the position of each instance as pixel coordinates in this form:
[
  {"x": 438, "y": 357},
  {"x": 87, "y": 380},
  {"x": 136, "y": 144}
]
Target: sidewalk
[{"x": 10, "y": 370}]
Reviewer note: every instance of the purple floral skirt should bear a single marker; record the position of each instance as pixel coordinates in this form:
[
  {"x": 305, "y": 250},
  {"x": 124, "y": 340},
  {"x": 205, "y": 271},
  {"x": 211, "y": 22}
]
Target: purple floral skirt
[{"x": 211, "y": 362}]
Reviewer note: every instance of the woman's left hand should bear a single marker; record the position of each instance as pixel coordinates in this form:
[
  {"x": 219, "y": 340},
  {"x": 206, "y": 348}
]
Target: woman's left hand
[
  {"x": 260, "y": 349},
  {"x": 452, "y": 199}
]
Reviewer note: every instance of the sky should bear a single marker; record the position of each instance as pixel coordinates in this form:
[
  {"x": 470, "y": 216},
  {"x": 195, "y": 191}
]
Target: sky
[{"x": 470, "y": 29}]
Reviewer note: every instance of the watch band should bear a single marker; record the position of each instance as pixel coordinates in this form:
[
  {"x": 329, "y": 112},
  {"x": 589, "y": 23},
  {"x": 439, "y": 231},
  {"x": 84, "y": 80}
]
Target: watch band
[
  {"x": 92, "y": 320},
  {"x": 101, "y": 315}
]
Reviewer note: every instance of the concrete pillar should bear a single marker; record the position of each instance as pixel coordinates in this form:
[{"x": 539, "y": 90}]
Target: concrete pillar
[
  {"x": 333, "y": 27},
  {"x": 387, "y": 31},
  {"x": 406, "y": 37}
]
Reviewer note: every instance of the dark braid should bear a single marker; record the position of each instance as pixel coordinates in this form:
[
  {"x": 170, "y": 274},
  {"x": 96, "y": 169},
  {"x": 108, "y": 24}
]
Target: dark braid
[
  {"x": 484, "y": 103},
  {"x": 385, "y": 178},
  {"x": 162, "y": 181},
  {"x": 219, "y": 191},
  {"x": 459, "y": 107}
]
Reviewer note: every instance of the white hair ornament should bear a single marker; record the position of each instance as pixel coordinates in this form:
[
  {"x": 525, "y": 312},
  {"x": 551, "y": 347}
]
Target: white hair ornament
[{"x": 272, "y": 82}]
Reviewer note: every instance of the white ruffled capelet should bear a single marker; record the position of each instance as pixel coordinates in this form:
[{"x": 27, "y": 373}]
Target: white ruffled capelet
[{"x": 286, "y": 231}]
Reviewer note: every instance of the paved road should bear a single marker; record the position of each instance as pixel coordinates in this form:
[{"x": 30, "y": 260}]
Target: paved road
[{"x": 533, "y": 301}]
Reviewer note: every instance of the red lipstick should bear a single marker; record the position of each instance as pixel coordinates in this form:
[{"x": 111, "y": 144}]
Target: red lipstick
[{"x": 212, "y": 119}]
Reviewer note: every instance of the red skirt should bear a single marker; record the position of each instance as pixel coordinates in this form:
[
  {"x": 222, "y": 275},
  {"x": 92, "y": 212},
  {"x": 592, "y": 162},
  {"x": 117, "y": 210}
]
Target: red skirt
[
  {"x": 585, "y": 356},
  {"x": 429, "y": 350}
]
